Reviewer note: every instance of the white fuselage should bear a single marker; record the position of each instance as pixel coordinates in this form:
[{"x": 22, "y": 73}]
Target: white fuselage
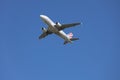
[{"x": 52, "y": 28}]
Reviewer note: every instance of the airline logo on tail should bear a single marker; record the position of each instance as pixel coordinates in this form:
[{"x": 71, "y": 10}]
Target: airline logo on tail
[{"x": 70, "y": 35}]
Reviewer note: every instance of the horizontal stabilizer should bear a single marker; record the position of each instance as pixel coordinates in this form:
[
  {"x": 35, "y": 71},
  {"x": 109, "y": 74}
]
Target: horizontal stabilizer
[{"x": 73, "y": 39}]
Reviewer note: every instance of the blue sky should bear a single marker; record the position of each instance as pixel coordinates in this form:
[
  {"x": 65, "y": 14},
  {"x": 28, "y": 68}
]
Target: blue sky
[{"x": 94, "y": 57}]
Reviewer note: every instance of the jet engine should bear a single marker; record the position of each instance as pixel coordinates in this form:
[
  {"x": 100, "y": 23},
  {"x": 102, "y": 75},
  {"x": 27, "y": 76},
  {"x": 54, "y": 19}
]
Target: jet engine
[
  {"x": 58, "y": 24},
  {"x": 44, "y": 29}
]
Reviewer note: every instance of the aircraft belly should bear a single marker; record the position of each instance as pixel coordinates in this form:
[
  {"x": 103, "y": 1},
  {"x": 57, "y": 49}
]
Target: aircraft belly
[
  {"x": 53, "y": 29},
  {"x": 62, "y": 35}
]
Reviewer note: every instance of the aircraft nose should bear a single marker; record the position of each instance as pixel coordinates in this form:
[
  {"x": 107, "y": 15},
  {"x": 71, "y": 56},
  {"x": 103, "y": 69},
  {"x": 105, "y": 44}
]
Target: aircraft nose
[{"x": 41, "y": 16}]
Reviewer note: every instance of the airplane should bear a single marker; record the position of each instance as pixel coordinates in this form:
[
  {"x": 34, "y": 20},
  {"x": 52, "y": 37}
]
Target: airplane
[{"x": 57, "y": 29}]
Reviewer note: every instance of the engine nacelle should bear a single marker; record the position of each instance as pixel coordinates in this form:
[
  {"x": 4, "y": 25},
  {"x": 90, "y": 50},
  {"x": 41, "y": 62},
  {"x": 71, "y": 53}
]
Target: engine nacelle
[
  {"x": 44, "y": 29},
  {"x": 58, "y": 24}
]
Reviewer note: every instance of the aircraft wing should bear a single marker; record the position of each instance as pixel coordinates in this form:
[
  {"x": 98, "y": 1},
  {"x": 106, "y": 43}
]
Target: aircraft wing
[
  {"x": 67, "y": 26},
  {"x": 44, "y": 34}
]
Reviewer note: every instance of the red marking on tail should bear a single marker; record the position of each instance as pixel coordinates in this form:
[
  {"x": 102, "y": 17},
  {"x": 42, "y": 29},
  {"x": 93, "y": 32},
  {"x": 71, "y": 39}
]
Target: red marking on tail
[{"x": 70, "y": 35}]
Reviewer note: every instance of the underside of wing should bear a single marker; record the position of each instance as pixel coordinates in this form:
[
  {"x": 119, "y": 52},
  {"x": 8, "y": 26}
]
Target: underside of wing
[
  {"x": 44, "y": 34},
  {"x": 67, "y": 26}
]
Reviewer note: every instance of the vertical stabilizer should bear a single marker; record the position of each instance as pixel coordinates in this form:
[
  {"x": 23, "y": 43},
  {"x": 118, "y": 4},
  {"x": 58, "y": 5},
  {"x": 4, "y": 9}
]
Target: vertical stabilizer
[{"x": 70, "y": 35}]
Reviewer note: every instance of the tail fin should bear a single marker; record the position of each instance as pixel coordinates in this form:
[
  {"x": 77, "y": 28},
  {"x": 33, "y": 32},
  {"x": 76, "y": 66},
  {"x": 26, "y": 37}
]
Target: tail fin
[{"x": 70, "y": 35}]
